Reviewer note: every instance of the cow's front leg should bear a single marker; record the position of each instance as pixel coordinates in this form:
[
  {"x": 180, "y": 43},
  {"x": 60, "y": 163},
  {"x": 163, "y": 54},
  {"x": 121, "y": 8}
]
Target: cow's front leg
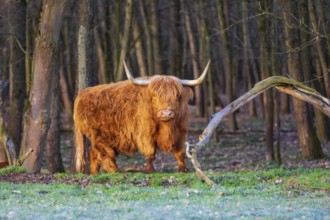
[
  {"x": 150, "y": 164},
  {"x": 146, "y": 147},
  {"x": 150, "y": 154},
  {"x": 180, "y": 156}
]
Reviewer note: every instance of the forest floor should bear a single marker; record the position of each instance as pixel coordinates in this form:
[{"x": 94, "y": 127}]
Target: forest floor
[
  {"x": 243, "y": 149},
  {"x": 248, "y": 187}
]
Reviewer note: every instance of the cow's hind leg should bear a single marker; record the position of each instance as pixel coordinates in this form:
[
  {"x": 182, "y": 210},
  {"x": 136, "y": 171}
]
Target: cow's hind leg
[
  {"x": 180, "y": 156},
  {"x": 94, "y": 160},
  {"x": 109, "y": 160}
]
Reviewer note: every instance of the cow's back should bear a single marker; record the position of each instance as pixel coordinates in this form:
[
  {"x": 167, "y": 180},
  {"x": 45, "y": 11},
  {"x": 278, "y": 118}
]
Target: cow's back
[{"x": 109, "y": 114}]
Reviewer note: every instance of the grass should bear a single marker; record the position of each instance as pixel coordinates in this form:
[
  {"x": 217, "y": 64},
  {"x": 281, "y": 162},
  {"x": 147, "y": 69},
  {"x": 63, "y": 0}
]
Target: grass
[
  {"x": 288, "y": 192},
  {"x": 264, "y": 194},
  {"x": 12, "y": 169}
]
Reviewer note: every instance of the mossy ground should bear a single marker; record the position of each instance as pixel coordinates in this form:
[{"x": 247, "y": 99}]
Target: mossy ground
[
  {"x": 248, "y": 187},
  {"x": 264, "y": 194}
]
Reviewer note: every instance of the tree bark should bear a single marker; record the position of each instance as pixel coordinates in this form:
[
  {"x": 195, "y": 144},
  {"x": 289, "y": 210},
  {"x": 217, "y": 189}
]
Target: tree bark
[
  {"x": 125, "y": 39},
  {"x": 137, "y": 34},
  {"x": 319, "y": 47},
  {"x": 195, "y": 63},
  {"x": 265, "y": 69},
  {"x": 246, "y": 51},
  {"x": 85, "y": 45},
  {"x": 227, "y": 60},
  {"x": 155, "y": 36},
  {"x": 16, "y": 12},
  {"x": 309, "y": 142},
  {"x": 37, "y": 115},
  {"x": 53, "y": 146},
  {"x": 323, "y": 123},
  {"x": 32, "y": 19}
]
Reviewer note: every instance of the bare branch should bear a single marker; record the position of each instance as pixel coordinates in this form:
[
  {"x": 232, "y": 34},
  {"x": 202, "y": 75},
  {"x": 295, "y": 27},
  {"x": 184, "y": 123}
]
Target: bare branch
[
  {"x": 21, "y": 160},
  {"x": 283, "y": 84}
]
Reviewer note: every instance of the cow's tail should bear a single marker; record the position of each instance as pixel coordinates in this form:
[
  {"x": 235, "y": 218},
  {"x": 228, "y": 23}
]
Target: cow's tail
[{"x": 80, "y": 162}]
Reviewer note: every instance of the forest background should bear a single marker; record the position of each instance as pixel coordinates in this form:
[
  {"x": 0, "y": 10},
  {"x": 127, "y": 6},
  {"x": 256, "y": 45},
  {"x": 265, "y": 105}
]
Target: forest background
[{"x": 50, "y": 50}]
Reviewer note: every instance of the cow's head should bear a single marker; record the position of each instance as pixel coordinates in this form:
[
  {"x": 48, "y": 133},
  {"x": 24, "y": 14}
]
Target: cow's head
[{"x": 169, "y": 95}]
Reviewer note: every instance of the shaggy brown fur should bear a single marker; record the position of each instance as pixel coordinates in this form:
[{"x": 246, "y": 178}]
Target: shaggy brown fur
[{"x": 126, "y": 118}]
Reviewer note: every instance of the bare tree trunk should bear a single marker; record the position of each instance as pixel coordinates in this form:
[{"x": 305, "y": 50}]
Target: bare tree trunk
[
  {"x": 16, "y": 10},
  {"x": 309, "y": 142},
  {"x": 32, "y": 19},
  {"x": 85, "y": 45},
  {"x": 319, "y": 48},
  {"x": 154, "y": 36},
  {"x": 125, "y": 39},
  {"x": 36, "y": 120},
  {"x": 101, "y": 64},
  {"x": 196, "y": 69},
  {"x": 265, "y": 68},
  {"x": 65, "y": 93},
  {"x": 137, "y": 34},
  {"x": 223, "y": 16},
  {"x": 175, "y": 47},
  {"x": 246, "y": 59},
  {"x": 53, "y": 147},
  {"x": 323, "y": 125},
  {"x": 85, "y": 53},
  {"x": 150, "y": 56},
  {"x": 4, "y": 154}
]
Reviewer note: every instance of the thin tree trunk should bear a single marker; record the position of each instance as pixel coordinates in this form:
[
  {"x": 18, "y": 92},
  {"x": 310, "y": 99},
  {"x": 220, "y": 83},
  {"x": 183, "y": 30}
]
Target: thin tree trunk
[
  {"x": 265, "y": 68},
  {"x": 150, "y": 56},
  {"x": 16, "y": 13},
  {"x": 322, "y": 122},
  {"x": 65, "y": 94},
  {"x": 137, "y": 34},
  {"x": 102, "y": 74},
  {"x": 319, "y": 48},
  {"x": 125, "y": 39},
  {"x": 275, "y": 70},
  {"x": 175, "y": 47},
  {"x": 246, "y": 52},
  {"x": 53, "y": 147},
  {"x": 154, "y": 36},
  {"x": 85, "y": 53},
  {"x": 227, "y": 62},
  {"x": 196, "y": 69},
  {"x": 5, "y": 158},
  {"x": 37, "y": 115},
  {"x": 32, "y": 18},
  {"x": 85, "y": 45}
]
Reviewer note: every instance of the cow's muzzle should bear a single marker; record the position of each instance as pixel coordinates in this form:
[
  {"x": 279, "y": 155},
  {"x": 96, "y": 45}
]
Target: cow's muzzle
[{"x": 166, "y": 114}]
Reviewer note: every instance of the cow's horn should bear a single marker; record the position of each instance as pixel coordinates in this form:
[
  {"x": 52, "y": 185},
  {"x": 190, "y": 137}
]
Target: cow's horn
[
  {"x": 198, "y": 81},
  {"x": 141, "y": 82}
]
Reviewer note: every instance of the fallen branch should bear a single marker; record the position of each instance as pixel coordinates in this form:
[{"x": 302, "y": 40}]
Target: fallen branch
[
  {"x": 283, "y": 84},
  {"x": 192, "y": 155}
]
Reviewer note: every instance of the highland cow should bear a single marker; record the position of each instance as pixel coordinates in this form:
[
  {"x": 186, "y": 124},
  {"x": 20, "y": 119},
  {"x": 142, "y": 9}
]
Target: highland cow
[{"x": 142, "y": 114}]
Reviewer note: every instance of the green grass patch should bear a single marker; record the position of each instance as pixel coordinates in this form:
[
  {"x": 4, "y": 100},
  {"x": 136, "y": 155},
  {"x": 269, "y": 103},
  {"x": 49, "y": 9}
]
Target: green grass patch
[
  {"x": 264, "y": 194},
  {"x": 12, "y": 169}
]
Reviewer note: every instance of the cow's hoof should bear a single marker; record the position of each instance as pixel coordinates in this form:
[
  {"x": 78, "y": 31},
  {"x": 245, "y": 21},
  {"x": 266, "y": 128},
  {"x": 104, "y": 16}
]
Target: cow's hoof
[
  {"x": 183, "y": 170},
  {"x": 149, "y": 170}
]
